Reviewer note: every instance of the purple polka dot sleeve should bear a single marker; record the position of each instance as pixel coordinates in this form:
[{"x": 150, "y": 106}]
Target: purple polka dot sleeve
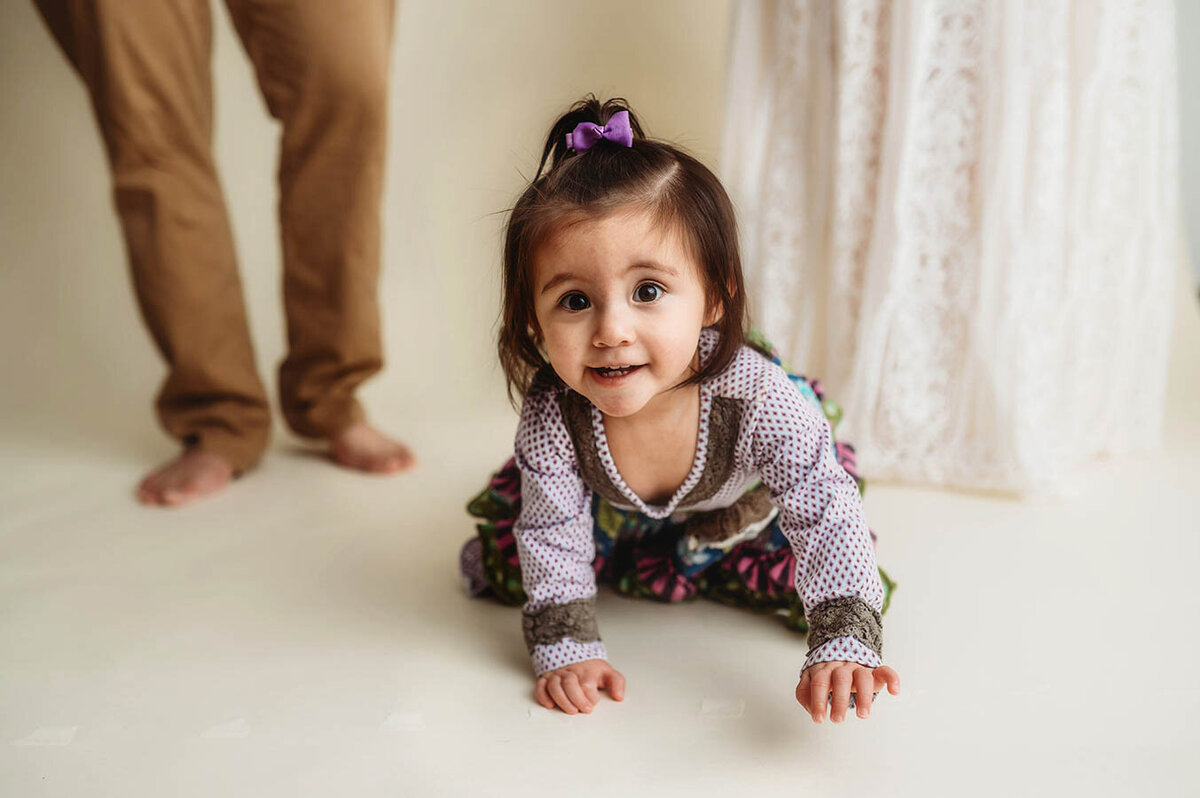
[
  {"x": 554, "y": 529},
  {"x": 820, "y": 509}
]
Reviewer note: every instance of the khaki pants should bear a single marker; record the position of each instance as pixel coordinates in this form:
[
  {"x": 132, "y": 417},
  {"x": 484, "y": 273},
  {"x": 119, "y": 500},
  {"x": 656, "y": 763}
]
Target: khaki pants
[{"x": 322, "y": 68}]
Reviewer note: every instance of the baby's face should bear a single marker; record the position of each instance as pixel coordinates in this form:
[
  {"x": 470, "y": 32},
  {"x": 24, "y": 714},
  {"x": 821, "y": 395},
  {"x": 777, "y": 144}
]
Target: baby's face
[{"x": 620, "y": 304}]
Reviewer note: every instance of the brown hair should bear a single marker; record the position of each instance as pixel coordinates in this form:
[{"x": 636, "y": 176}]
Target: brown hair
[{"x": 673, "y": 186}]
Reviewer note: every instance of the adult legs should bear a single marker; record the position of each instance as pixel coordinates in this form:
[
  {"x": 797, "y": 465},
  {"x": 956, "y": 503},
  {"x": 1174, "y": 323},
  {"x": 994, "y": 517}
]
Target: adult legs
[
  {"x": 322, "y": 68},
  {"x": 147, "y": 69}
]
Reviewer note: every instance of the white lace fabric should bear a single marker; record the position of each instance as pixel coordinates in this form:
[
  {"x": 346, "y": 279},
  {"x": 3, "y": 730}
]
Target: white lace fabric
[{"x": 964, "y": 216}]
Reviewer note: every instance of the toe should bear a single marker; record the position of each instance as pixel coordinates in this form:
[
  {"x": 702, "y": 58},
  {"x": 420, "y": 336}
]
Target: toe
[
  {"x": 394, "y": 462},
  {"x": 173, "y": 497},
  {"x": 149, "y": 490},
  {"x": 149, "y": 485},
  {"x": 398, "y": 458}
]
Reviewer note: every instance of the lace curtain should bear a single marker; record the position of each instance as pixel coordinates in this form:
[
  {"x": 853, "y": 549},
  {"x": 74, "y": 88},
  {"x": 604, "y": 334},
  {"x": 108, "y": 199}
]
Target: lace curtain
[{"x": 964, "y": 215}]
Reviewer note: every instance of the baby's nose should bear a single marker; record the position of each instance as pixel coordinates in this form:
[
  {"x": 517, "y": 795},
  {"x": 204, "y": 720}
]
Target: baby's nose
[{"x": 614, "y": 327}]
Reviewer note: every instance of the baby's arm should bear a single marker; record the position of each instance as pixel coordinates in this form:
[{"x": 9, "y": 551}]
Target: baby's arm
[
  {"x": 556, "y": 549},
  {"x": 821, "y": 515}
]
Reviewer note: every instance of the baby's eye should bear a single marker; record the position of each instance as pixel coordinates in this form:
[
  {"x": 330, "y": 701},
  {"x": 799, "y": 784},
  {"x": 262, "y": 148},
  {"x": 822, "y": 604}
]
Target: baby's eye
[
  {"x": 574, "y": 302},
  {"x": 648, "y": 292}
]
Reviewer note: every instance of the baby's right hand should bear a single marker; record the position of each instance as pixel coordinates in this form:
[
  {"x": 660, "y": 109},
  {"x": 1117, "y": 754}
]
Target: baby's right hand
[{"x": 576, "y": 688}]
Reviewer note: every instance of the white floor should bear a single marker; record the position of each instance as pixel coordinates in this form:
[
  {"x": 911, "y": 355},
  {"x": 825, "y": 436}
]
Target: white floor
[{"x": 305, "y": 634}]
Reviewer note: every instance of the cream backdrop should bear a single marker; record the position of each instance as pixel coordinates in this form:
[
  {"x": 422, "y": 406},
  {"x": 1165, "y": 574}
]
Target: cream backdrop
[{"x": 475, "y": 86}]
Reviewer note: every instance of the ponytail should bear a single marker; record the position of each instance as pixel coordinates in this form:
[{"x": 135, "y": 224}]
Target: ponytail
[{"x": 589, "y": 109}]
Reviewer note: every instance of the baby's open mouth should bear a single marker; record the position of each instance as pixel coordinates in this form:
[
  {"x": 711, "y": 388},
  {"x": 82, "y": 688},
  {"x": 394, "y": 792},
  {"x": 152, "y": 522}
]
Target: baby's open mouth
[{"x": 612, "y": 372}]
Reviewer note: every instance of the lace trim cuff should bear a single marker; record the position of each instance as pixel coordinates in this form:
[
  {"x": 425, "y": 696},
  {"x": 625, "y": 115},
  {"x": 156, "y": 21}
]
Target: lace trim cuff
[
  {"x": 574, "y": 619},
  {"x": 842, "y": 649},
  {"x": 845, "y": 617},
  {"x": 564, "y": 653}
]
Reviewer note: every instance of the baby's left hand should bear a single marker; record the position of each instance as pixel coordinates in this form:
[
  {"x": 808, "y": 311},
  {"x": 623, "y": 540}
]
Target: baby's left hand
[{"x": 842, "y": 677}]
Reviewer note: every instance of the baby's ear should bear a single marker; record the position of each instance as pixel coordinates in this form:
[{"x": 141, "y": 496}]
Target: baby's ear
[
  {"x": 716, "y": 308},
  {"x": 714, "y": 314},
  {"x": 539, "y": 343}
]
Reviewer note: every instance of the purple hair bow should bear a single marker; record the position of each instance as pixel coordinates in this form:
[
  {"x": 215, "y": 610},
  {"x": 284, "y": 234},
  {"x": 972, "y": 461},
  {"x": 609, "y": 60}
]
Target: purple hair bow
[{"x": 587, "y": 134}]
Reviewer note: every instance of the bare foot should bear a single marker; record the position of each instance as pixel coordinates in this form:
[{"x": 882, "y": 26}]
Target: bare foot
[
  {"x": 192, "y": 475},
  {"x": 365, "y": 448}
]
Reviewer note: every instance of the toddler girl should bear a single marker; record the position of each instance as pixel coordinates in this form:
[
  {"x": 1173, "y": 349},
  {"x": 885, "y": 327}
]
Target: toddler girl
[{"x": 660, "y": 449}]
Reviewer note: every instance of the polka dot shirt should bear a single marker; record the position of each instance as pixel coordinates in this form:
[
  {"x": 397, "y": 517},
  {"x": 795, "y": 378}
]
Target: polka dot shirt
[{"x": 783, "y": 440}]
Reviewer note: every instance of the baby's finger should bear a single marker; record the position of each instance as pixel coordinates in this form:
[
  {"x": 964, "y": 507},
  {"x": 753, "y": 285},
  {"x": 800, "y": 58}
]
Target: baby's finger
[
  {"x": 842, "y": 679},
  {"x": 574, "y": 692},
  {"x": 591, "y": 691},
  {"x": 816, "y": 696},
  {"x": 885, "y": 675},
  {"x": 560, "y": 697},
  {"x": 542, "y": 696},
  {"x": 863, "y": 688},
  {"x": 616, "y": 685},
  {"x": 802, "y": 690}
]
